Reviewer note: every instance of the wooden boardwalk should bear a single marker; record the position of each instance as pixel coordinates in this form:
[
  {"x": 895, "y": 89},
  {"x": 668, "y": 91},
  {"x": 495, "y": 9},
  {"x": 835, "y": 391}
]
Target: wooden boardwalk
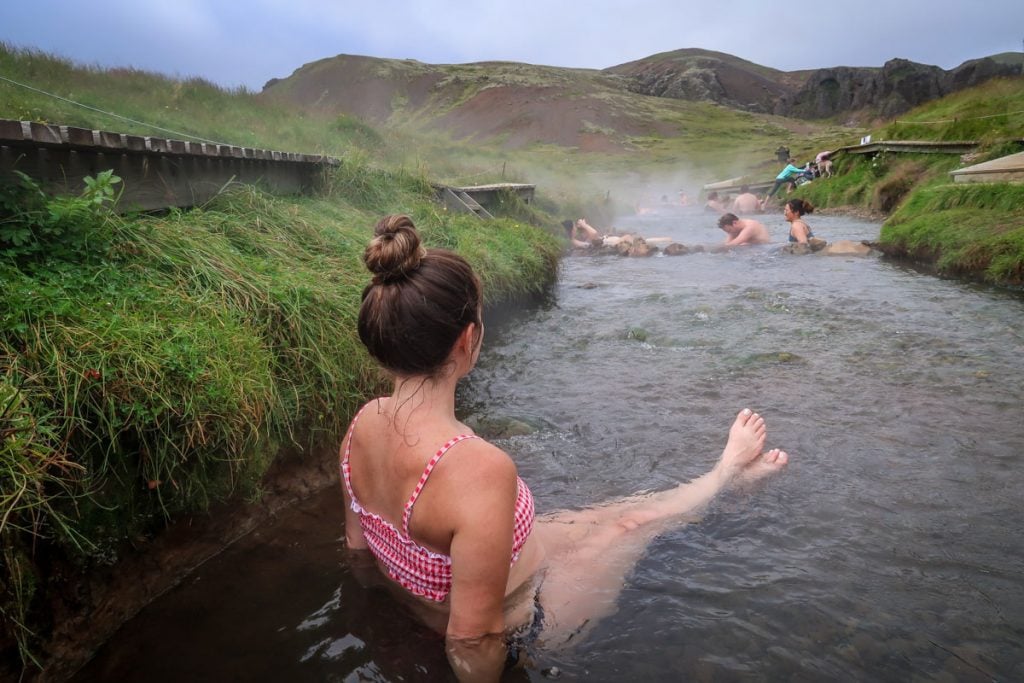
[
  {"x": 910, "y": 146},
  {"x": 476, "y": 199},
  {"x": 157, "y": 173},
  {"x": 999, "y": 170},
  {"x": 1004, "y": 169}
]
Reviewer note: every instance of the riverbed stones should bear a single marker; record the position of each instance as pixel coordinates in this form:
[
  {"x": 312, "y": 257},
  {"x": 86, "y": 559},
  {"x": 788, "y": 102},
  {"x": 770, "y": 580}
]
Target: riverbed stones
[{"x": 676, "y": 249}]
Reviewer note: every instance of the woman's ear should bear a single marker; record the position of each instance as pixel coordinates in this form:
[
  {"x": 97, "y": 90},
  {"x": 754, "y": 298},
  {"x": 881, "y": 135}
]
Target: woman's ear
[{"x": 468, "y": 337}]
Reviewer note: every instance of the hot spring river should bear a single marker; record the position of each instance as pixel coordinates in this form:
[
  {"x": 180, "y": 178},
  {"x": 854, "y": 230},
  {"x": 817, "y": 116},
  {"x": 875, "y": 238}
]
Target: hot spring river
[{"x": 890, "y": 550}]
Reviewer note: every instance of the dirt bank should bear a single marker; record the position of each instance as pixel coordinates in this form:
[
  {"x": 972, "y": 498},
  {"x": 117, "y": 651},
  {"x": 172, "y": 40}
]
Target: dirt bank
[{"x": 92, "y": 607}]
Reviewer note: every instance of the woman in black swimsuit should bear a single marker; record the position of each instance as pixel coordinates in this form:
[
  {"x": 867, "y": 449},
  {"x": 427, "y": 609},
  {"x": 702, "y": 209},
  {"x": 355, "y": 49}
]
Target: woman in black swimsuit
[{"x": 793, "y": 212}]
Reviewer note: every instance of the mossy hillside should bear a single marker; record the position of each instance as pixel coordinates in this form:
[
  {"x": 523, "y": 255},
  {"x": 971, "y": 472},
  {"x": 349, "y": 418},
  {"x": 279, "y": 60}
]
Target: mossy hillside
[
  {"x": 974, "y": 230},
  {"x": 878, "y": 182},
  {"x": 991, "y": 114},
  {"x": 167, "y": 365},
  {"x": 988, "y": 113}
]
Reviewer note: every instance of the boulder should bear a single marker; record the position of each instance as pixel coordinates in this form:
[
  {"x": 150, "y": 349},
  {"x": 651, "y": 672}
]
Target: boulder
[
  {"x": 847, "y": 248},
  {"x": 812, "y": 245},
  {"x": 637, "y": 247},
  {"x": 676, "y": 249}
]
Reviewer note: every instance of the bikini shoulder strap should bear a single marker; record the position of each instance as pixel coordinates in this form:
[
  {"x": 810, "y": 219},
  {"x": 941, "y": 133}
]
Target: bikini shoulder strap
[
  {"x": 426, "y": 475},
  {"x": 346, "y": 468}
]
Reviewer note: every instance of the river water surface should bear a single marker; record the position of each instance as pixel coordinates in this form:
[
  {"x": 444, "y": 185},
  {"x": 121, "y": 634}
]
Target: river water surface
[{"x": 889, "y": 550}]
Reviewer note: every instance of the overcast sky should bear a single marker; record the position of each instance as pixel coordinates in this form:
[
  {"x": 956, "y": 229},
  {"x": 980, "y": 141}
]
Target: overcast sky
[{"x": 247, "y": 42}]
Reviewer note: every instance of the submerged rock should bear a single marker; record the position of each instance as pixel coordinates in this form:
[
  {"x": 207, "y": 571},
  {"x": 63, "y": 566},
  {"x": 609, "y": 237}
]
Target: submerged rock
[
  {"x": 498, "y": 427},
  {"x": 814, "y": 244},
  {"x": 847, "y": 248},
  {"x": 636, "y": 247},
  {"x": 776, "y": 357},
  {"x": 676, "y": 249}
]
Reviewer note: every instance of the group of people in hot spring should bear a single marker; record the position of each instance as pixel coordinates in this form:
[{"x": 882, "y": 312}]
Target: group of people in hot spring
[
  {"x": 739, "y": 231},
  {"x": 449, "y": 525}
]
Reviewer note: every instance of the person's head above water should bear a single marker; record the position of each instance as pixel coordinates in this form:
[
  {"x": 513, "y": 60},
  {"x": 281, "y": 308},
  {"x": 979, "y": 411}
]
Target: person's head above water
[
  {"x": 418, "y": 303},
  {"x": 728, "y": 222},
  {"x": 800, "y": 207}
]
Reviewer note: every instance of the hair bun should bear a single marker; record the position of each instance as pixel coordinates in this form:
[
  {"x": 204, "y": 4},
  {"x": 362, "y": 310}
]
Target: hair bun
[{"x": 395, "y": 251}]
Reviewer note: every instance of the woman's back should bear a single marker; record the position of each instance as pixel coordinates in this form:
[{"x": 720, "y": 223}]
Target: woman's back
[
  {"x": 408, "y": 485},
  {"x": 387, "y": 463}
]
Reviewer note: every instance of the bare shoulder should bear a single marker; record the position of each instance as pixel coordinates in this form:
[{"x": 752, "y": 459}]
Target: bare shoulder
[{"x": 475, "y": 469}]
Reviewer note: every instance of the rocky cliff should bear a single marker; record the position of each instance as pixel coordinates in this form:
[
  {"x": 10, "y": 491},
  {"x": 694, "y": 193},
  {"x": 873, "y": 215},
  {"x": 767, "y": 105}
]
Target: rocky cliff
[
  {"x": 894, "y": 88},
  {"x": 898, "y": 86}
]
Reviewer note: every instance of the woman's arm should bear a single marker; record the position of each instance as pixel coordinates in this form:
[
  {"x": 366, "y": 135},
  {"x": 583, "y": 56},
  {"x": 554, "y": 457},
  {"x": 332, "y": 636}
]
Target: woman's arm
[{"x": 481, "y": 552}]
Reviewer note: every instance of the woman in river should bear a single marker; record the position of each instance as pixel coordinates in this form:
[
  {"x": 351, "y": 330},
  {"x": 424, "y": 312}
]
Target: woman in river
[
  {"x": 474, "y": 561},
  {"x": 794, "y": 212}
]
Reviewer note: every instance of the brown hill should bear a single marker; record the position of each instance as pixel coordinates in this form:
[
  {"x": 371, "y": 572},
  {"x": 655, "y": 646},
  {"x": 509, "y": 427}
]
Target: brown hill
[
  {"x": 694, "y": 74},
  {"x": 511, "y": 103},
  {"x": 518, "y": 105}
]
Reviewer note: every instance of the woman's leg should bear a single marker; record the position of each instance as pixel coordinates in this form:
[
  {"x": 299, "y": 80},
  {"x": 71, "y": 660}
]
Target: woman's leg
[{"x": 590, "y": 551}]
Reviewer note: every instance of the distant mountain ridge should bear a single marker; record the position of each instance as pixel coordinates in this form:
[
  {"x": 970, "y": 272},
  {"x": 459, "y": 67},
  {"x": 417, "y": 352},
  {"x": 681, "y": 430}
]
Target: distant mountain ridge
[
  {"x": 518, "y": 104},
  {"x": 895, "y": 87}
]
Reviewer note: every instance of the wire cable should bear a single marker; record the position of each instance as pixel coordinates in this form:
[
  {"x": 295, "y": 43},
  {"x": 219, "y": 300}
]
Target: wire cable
[{"x": 116, "y": 116}]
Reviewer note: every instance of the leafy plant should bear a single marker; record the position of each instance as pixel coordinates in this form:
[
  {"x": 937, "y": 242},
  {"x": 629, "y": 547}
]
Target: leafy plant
[{"x": 36, "y": 226}]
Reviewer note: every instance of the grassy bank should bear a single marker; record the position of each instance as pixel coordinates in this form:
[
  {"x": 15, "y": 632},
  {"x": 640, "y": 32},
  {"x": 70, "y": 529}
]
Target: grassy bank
[
  {"x": 152, "y": 365},
  {"x": 974, "y": 231}
]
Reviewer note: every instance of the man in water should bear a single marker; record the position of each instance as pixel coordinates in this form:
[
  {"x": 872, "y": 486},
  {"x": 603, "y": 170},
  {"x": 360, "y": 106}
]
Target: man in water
[
  {"x": 746, "y": 201},
  {"x": 581, "y": 234},
  {"x": 743, "y": 230}
]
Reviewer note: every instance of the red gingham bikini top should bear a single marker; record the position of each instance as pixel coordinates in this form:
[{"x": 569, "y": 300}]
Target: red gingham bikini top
[{"x": 421, "y": 571}]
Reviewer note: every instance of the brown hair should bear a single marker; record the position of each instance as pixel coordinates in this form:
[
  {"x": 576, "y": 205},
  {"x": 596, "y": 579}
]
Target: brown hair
[
  {"x": 800, "y": 206},
  {"x": 727, "y": 219},
  {"x": 418, "y": 303}
]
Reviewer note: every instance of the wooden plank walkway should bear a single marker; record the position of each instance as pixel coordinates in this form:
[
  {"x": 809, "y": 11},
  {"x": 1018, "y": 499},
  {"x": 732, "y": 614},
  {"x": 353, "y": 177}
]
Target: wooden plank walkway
[
  {"x": 476, "y": 199},
  {"x": 1004, "y": 169},
  {"x": 910, "y": 146},
  {"x": 157, "y": 173},
  {"x": 895, "y": 146}
]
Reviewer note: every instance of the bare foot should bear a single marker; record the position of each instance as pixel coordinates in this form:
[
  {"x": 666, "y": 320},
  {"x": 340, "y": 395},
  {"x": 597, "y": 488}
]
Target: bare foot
[
  {"x": 768, "y": 464},
  {"x": 746, "y": 440}
]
